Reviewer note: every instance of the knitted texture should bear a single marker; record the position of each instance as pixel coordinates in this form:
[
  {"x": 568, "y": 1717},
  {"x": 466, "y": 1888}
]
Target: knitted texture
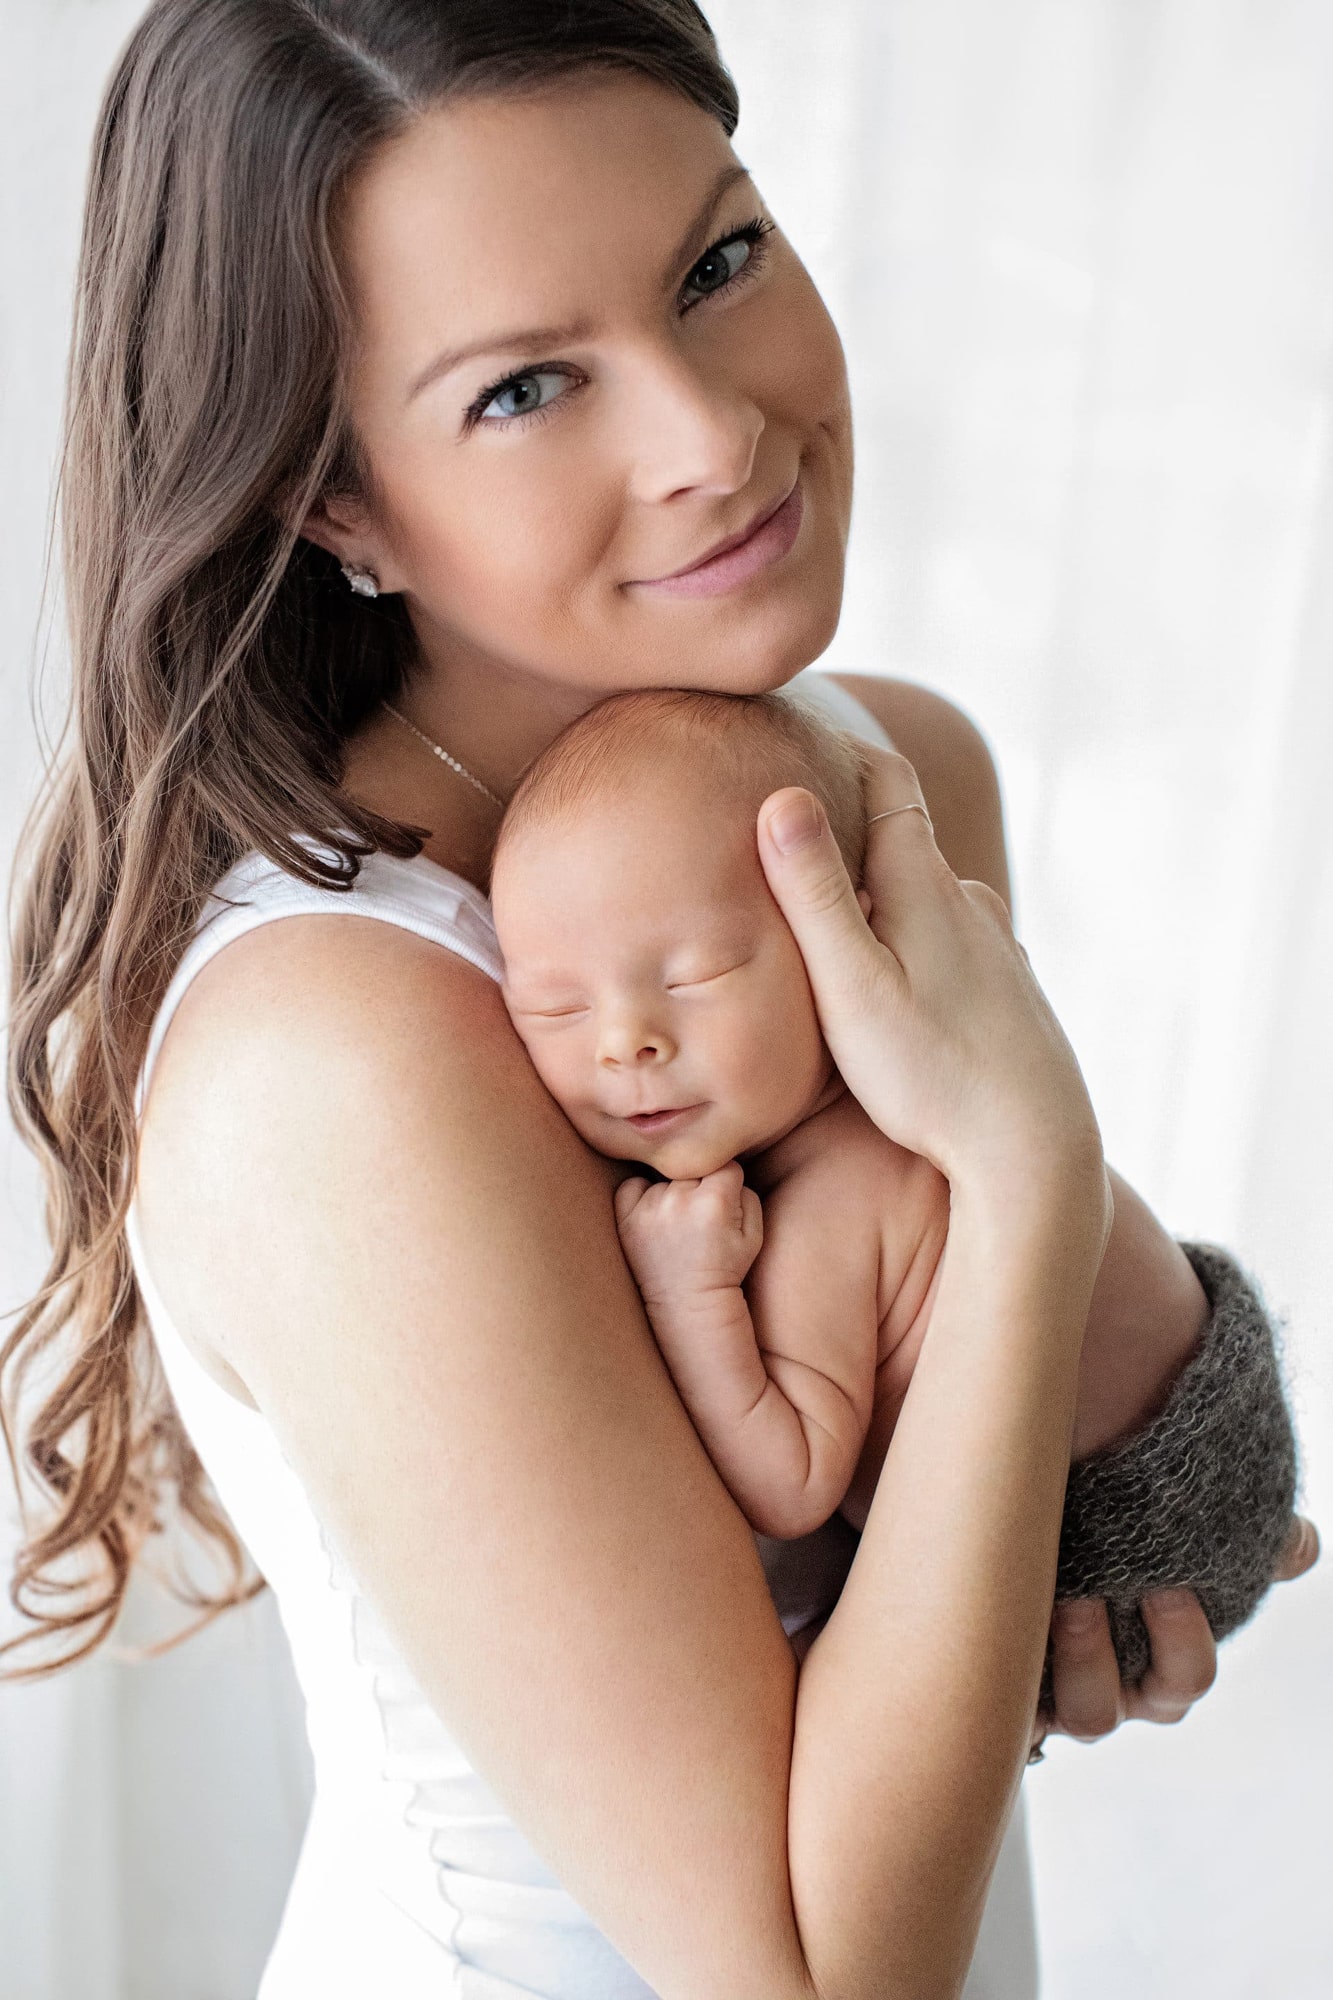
[{"x": 1204, "y": 1496}]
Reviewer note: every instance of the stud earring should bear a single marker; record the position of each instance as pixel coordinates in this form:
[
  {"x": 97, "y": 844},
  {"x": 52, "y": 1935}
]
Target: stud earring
[{"x": 364, "y": 582}]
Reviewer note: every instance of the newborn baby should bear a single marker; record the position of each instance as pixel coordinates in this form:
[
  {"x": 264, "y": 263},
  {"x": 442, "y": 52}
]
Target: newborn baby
[{"x": 787, "y": 1251}]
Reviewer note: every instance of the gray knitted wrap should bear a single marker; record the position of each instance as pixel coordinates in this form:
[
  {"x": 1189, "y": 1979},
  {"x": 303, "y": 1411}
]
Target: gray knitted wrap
[{"x": 1204, "y": 1495}]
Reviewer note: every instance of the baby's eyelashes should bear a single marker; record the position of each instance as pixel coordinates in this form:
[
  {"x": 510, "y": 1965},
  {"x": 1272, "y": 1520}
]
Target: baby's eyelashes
[
  {"x": 705, "y": 978},
  {"x": 539, "y": 1006}
]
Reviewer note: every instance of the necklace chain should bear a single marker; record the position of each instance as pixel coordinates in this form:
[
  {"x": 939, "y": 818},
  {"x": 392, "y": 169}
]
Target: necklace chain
[{"x": 439, "y": 750}]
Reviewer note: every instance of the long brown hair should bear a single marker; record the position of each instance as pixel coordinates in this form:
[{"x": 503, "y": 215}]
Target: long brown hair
[{"x": 219, "y": 661}]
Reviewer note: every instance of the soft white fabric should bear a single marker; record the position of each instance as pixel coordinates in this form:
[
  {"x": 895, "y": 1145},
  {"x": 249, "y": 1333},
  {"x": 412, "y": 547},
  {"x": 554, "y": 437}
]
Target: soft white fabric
[{"x": 412, "y": 1880}]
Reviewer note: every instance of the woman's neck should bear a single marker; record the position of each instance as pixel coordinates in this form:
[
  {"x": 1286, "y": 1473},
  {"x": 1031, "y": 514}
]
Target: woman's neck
[{"x": 492, "y": 717}]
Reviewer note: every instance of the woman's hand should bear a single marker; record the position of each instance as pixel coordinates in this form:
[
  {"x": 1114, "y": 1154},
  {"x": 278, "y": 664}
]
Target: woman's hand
[
  {"x": 1089, "y": 1699},
  {"x": 930, "y": 1007}
]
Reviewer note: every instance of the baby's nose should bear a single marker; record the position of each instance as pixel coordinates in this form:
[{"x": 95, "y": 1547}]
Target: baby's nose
[{"x": 633, "y": 1045}]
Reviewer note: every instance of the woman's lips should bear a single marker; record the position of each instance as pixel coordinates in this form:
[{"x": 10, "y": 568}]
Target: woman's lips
[
  {"x": 768, "y": 544},
  {"x": 657, "y": 1121}
]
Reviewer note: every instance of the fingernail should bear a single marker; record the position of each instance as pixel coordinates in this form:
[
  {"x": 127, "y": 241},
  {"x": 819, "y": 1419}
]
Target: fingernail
[{"x": 796, "y": 823}]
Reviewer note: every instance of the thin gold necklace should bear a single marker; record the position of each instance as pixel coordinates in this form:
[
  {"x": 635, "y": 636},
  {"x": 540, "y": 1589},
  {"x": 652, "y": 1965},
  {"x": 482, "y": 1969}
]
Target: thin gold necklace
[{"x": 445, "y": 758}]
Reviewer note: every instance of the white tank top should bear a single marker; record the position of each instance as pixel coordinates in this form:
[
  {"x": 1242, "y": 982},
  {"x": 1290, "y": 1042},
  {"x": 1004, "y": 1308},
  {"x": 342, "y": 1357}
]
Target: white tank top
[{"x": 412, "y": 1882}]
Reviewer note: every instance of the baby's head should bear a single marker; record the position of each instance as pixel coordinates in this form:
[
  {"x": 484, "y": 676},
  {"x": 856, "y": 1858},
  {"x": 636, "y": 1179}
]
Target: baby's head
[{"x": 648, "y": 969}]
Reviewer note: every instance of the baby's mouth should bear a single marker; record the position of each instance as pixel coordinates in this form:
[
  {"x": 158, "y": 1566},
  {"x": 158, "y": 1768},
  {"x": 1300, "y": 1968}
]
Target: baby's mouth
[{"x": 658, "y": 1121}]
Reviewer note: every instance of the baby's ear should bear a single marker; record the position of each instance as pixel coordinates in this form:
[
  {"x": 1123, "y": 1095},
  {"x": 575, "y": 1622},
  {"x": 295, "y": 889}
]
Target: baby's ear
[{"x": 863, "y": 900}]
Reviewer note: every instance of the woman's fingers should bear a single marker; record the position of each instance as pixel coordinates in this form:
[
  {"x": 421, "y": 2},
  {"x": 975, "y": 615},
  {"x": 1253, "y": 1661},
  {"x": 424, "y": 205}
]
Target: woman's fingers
[
  {"x": 850, "y": 972},
  {"x": 994, "y": 905},
  {"x": 1301, "y": 1551},
  {"x": 1084, "y": 1670},
  {"x": 889, "y": 780},
  {"x": 1089, "y": 1698},
  {"x": 896, "y": 835},
  {"x": 929, "y": 1009},
  {"x": 1184, "y": 1657},
  {"x": 807, "y": 874}
]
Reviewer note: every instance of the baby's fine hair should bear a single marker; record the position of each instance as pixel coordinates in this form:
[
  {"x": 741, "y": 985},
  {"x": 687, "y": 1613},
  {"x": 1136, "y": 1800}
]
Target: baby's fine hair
[{"x": 754, "y": 744}]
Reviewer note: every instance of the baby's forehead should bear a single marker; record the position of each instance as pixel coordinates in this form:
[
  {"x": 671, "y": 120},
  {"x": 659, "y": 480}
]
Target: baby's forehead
[
  {"x": 693, "y": 808},
  {"x": 673, "y": 857}
]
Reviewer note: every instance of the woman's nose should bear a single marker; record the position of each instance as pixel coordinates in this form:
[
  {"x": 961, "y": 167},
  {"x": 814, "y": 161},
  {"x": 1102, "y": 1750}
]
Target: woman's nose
[
  {"x": 629, "y": 1044},
  {"x": 693, "y": 433}
]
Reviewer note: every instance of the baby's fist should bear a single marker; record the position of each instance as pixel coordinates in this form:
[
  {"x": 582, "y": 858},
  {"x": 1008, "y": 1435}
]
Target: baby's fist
[{"x": 689, "y": 1237}]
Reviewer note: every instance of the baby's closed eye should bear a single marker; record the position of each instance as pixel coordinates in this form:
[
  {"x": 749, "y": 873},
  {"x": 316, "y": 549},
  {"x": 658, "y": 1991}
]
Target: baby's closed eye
[
  {"x": 537, "y": 1004},
  {"x": 704, "y": 978}
]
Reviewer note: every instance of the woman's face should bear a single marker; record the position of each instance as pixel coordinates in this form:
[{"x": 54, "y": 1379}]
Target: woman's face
[{"x": 586, "y": 357}]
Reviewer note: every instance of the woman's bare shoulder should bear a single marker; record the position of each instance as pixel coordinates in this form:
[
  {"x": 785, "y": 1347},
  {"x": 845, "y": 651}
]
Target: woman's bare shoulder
[
  {"x": 922, "y": 722},
  {"x": 310, "y": 1012},
  {"x": 323, "y": 1058},
  {"x": 283, "y": 982},
  {"x": 956, "y": 769}
]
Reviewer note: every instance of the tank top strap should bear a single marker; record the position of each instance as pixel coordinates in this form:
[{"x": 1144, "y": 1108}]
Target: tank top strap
[{"x": 416, "y": 894}]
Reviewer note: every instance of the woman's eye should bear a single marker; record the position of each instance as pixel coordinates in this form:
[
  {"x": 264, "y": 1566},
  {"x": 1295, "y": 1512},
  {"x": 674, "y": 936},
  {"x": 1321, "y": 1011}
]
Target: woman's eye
[
  {"x": 522, "y": 395},
  {"x": 719, "y": 266}
]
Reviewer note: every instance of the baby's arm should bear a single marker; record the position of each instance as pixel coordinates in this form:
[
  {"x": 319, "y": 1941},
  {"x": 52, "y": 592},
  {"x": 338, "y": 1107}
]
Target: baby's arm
[{"x": 781, "y": 1399}]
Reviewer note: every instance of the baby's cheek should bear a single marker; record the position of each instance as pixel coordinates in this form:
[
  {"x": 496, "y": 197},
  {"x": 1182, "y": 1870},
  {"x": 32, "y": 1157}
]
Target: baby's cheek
[{"x": 760, "y": 1074}]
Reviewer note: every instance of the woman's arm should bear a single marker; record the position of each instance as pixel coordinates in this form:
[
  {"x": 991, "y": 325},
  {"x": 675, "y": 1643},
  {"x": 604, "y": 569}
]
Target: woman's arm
[
  {"x": 1148, "y": 1307},
  {"x": 431, "y": 1308},
  {"x": 961, "y": 788}
]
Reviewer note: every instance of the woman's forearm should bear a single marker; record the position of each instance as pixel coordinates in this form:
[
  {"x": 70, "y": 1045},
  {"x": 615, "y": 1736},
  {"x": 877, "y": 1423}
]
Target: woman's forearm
[{"x": 915, "y": 1703}]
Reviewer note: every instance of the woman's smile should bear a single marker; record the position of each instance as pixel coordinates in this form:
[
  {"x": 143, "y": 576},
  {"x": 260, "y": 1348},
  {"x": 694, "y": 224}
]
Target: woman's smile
[{"x": 740, "y": 558}]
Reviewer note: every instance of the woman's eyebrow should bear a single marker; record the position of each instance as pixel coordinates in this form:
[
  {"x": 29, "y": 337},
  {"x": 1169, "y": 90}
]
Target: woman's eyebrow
[
  {"x": 530, "y": 338},
  {"x": 693, "y": 235},
  {"x": 522, "y": 339}
]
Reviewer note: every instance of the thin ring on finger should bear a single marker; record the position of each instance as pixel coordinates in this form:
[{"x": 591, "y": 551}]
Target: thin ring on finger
[{"x": 913, "y": 808}]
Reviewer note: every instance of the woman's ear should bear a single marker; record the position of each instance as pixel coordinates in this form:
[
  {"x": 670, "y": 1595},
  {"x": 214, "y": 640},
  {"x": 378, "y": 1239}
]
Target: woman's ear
[{"x": 344, "y": 528}]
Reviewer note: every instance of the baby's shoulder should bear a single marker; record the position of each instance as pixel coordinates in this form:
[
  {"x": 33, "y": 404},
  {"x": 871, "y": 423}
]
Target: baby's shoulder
[
  {"x": 837, "y": 1150},
  {"x": 838, "y": 1170}
]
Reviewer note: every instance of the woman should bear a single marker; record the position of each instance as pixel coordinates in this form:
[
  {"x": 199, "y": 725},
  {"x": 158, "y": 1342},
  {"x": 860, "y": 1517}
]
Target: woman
[{"x": 472, "y": 308}]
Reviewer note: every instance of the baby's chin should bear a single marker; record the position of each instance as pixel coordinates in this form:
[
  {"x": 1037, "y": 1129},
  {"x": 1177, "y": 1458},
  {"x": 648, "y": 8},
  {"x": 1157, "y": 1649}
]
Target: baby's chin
[{"x": 691, "y": 1156}]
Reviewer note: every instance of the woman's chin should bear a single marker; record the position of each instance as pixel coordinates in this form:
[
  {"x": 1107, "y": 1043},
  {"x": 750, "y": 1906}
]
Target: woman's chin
[{"x": 765, "y": 658}]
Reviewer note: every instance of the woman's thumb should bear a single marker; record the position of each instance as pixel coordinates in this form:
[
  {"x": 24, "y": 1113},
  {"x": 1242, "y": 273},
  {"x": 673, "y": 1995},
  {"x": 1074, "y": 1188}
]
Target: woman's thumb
[{"x": 810, "y": 884}]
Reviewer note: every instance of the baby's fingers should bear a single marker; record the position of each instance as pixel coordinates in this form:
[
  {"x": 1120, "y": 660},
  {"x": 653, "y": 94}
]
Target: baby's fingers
[
  {"x": 752, "y": 1219},
  {"x": 628, "y": 1196},
  {"x": 725, "y": 1182}
]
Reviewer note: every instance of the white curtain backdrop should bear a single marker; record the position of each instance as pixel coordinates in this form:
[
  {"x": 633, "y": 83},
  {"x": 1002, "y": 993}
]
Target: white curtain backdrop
[{"x": 1081, "y": 252}]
